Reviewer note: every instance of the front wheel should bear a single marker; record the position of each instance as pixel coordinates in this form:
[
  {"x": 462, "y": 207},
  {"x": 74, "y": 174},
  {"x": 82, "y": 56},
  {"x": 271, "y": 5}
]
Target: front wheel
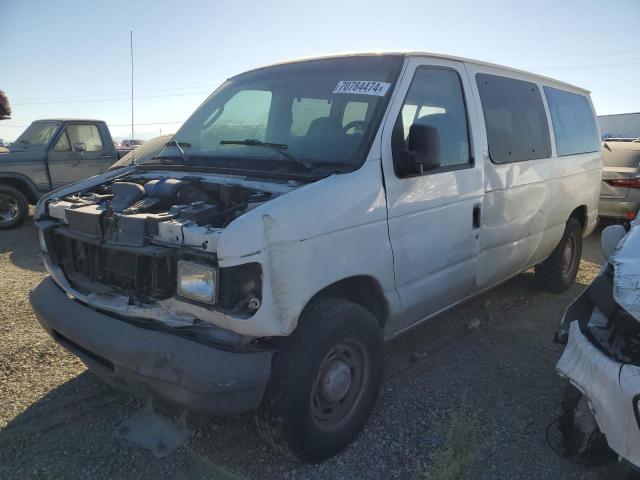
[
  {"x": 14, "y": 207},
  {"x": 325, "y": 380},
  {"x": 558, "y": 272}
]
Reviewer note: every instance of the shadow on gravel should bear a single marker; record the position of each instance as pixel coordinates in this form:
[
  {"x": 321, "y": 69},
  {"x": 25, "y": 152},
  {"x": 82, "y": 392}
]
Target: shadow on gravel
[
  {"x": 70, "y": 433},
  {"x": 22, "y": 245}
]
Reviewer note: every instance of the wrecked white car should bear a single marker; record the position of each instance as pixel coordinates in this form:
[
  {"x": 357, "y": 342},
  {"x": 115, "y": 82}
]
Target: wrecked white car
[
  {"x": 602, "y": 355},
  {"x": 306, "y": 213}
]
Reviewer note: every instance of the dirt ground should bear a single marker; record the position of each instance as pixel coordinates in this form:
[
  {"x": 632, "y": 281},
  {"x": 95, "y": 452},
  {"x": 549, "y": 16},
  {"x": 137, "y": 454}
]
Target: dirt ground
[{"x": 469, "y": 395}]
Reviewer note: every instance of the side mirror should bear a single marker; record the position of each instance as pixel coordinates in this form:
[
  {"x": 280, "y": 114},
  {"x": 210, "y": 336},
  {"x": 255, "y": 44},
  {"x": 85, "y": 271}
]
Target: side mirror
[
  {"x": 79, "y": 147},
  {"x": 609, "y": 239},
  {"x": 423, "y": 152}
]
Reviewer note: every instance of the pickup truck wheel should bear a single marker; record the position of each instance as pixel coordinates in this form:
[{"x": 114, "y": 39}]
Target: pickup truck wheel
[
  {"x": 14, "y": 207},
  {"x": 324, "y": 382},
  {"x": 558, "y": 272}
]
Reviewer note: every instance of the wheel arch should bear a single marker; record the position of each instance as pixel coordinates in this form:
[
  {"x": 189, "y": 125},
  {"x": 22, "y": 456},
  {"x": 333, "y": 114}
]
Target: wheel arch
[
  {"x": 362, "y": 290},
  {"x": 21, "y": 183},
  {"x": 580, "y": 214}
]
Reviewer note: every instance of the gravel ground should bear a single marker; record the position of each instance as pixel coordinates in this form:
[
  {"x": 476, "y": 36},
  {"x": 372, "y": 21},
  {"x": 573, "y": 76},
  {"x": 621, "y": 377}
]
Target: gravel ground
[{"x": 469, "y": 395}]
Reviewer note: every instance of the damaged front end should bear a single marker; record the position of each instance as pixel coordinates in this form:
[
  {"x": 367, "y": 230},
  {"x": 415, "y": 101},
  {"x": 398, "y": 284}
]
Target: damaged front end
[
  {"x": 601, "y": 330},
  {"x": 139, "y": 292},
  {"x": 121, "y": 246}
]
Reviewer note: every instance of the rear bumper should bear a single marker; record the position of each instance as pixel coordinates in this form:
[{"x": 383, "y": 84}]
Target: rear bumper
[
  {"x": 152, "y": 363},
  {"x": 617, "y": 208}
]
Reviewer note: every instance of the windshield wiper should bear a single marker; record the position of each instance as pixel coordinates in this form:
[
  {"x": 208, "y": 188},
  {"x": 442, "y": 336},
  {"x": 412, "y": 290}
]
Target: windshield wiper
[{"x": 278, "y": 147}]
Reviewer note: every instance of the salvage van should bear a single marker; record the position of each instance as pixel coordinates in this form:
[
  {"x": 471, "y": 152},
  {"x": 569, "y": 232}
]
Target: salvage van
[{"x": 306, "y": 213}]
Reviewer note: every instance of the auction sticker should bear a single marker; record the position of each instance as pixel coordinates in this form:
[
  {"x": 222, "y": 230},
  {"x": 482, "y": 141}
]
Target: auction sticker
[{"x": 362, "y": 87}]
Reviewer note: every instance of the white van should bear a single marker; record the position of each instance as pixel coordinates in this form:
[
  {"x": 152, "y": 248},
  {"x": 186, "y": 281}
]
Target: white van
[{"x": 304, "y": 214}]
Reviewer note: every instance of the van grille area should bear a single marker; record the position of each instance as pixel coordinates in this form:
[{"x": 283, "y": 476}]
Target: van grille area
[{"x": 147, "y": 273}]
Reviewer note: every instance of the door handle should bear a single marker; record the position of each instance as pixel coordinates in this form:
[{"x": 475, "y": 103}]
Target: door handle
[{"x": 477, "y": 215}]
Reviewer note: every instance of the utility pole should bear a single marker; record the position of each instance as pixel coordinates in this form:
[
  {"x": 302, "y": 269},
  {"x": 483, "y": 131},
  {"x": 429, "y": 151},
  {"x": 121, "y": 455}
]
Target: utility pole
[{"x": 131, "y": 48}]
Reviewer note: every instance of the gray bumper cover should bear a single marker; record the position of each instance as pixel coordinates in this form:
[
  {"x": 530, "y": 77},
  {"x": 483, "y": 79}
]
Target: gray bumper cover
[{"x": 153, "y": 363}]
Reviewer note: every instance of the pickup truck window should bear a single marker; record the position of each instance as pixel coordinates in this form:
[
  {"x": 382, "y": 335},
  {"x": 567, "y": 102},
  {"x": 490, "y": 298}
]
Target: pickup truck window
[
  {"x": 87, "y": 134},
  {"x": 38, "y": 134},
  {"x": 301, "y": 107}
]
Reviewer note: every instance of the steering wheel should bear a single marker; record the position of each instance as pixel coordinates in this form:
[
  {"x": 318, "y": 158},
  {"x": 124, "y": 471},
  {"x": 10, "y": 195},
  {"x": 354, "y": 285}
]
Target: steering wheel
[{"x": 359, "y": 127}]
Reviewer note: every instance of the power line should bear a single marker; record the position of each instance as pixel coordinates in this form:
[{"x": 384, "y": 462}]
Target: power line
[
  {"x": 109, "y": 124},
  {"x": 111, "y": 99},
  {"x": 567, "y": 55},
  {"x": 72, "y": 98},
  {"x": 204, "y": 92},
  {"x": 587, "y": 67}
]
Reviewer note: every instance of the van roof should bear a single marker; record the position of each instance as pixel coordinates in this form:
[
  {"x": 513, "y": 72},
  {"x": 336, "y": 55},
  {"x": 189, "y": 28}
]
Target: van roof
[{"x": 409, "y": 53}]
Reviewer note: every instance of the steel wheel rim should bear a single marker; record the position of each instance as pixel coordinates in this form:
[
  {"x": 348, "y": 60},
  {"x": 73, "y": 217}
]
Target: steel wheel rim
[
  {"x": 339, "y": 386},
  {"x": 9, "y": 208},
  {"x": 568, "y": 255}
]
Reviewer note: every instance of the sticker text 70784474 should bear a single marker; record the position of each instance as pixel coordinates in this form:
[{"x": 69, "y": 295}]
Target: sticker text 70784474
[{"x": 362, "y": 87}]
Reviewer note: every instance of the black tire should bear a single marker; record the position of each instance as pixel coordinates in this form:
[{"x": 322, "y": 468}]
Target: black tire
[
  {"x": 296, "y": 416},
  {"x": 558, "y": 272},
  {"x": 14, "y": 207}
]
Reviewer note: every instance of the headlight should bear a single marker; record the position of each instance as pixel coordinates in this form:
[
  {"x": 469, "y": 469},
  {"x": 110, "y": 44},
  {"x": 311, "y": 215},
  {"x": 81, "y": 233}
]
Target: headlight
[
  {"x": 43, "y": 243},
  {"x": 197, "y": 281}
]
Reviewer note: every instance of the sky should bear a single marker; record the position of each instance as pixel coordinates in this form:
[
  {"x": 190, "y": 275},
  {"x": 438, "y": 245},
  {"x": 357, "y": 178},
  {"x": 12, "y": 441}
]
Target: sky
[{"x": 70, "y": 58}]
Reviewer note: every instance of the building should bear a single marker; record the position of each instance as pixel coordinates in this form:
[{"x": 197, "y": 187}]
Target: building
[{"x": 621, "y": 125}]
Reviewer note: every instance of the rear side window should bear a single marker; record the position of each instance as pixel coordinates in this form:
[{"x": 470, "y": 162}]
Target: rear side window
[
  {"x": 515, "y": 118},
  {"x": 573, "y": 123}
]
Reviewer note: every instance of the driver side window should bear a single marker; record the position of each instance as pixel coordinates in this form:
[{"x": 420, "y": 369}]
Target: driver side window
[{"x": 435, "y": 99}]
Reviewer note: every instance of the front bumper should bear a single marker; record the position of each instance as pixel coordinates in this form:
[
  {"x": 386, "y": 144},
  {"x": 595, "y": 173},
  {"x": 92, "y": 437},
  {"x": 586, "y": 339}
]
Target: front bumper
[
  {"x": 153, "y": 363},
  {"x": 611, "y": 389}
]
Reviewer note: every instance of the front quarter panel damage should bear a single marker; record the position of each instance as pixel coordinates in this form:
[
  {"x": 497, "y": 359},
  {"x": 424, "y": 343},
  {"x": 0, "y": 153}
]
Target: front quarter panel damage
[{"x": 309, "y": 239}]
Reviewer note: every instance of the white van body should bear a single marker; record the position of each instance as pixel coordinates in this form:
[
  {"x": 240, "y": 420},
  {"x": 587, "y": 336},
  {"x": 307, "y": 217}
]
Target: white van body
[{"x": 405, "y": 248}]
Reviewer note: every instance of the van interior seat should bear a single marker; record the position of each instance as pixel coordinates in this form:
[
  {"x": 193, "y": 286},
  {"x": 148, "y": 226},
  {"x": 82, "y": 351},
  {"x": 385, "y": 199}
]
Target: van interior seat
[
  {"x": 442, "y": 122},
  {"x": 316, "y": 141}
]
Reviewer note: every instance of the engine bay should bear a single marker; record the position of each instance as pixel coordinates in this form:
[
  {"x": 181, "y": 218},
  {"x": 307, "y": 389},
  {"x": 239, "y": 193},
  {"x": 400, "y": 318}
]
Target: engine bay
[{"x": 136, "y": 211}]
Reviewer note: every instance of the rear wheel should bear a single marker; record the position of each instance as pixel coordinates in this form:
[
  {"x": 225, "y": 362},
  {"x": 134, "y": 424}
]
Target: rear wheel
[
  {"x": 14, "y": 207},
  {"x": 324, "y": 382},
  {"x": 558, "y": 272}
]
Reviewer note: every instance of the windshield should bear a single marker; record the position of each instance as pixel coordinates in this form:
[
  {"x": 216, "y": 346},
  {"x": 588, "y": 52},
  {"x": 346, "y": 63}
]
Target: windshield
[
  {"x": 37, "y": 134},
  {"x": 319, "y": 112}
]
